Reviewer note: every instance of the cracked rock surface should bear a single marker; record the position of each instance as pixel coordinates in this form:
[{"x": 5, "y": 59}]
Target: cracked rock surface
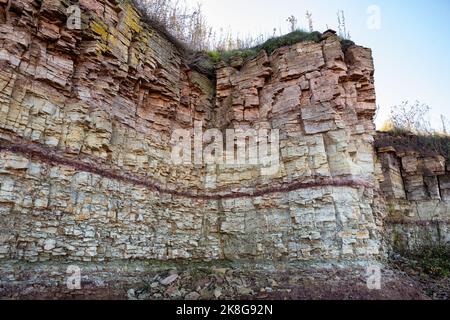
[{"x": 86, "y": 118}]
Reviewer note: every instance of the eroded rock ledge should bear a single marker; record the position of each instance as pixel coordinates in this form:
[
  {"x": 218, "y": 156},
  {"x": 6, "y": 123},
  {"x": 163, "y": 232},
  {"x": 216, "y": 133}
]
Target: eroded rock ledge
[
  {"x": 416, "y": 186},
  {"x": 104, "y": 100}
]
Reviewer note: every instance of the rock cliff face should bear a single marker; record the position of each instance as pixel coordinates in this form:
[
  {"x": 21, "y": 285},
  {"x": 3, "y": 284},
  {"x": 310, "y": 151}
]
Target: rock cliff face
[
  {"x": 416, "y": 186},
  {"x": 86, "y": 118}
]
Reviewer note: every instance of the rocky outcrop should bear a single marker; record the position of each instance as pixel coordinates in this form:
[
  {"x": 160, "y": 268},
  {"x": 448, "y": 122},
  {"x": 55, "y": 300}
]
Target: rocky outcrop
[
  {"x": 416, "y": 187},
  {"x": 86, "y": 118}
]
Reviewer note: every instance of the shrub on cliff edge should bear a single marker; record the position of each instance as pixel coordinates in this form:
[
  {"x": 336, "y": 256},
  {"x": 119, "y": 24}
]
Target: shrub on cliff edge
[{"x": 407, "y": 129}]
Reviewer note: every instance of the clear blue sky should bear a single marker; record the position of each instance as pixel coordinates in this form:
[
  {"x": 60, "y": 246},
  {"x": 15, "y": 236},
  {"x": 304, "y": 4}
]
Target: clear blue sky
[{"x": 411, "y": 49}]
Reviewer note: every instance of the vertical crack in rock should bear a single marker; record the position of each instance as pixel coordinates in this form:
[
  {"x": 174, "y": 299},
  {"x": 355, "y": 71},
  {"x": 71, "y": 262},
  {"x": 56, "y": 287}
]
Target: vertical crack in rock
[{"x": 220, "y": 220}]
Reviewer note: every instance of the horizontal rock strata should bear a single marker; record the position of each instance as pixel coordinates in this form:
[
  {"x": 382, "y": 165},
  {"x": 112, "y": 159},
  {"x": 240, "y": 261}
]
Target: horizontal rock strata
[
  {"x": 86, "y": 118},
  {"x": 416, "y": 186}
]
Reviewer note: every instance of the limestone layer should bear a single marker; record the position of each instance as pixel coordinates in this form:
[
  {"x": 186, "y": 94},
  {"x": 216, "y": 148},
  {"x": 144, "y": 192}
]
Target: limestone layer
[
  {"x": 416, "y": 186},
  {"x": 86, "y": 118}
]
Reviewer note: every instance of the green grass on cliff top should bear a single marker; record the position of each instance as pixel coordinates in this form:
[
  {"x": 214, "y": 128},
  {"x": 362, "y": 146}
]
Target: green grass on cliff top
[
  {"x": 269, "y": 46},
  {"x": 205, "y": 61}
]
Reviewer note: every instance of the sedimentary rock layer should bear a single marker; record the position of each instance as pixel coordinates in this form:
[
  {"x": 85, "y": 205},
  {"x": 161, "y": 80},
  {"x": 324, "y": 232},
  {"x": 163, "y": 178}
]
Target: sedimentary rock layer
[
  {"x": 86, "y": 118},
  {"x": 416, "y": 186}
]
